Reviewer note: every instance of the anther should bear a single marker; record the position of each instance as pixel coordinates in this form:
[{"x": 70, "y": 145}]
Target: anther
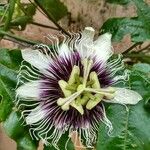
[
  {"x": 92, "y": 103},
  {"x": 61, "y": 101},
  {"x": 63, "y": 84},
  {"x": 94, "y": 78},
  {"x": 78, "y": 107},
  {"x": 65, "y": 107}
]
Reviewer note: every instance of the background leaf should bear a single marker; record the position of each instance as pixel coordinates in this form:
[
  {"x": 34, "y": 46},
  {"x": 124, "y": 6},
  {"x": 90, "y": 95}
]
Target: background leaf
[
  {"x": 9, "y": 65},
  {"x": 52, "y": 7},
  {"x": 131, "y": 128},
  {"x": 142, "y": 67},
  {"x": 3, "y": 10},
  {"x": 9, "y": 15},
  {"x": 20, "y": 134},
  {"x": 23, "y": 15},
  {"x": 138, "y": 27}
]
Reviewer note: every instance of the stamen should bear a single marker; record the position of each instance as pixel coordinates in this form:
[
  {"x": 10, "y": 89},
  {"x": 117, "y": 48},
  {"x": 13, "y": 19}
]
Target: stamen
[
  {"x": 61, "y": 101},
  {"x": 78, "y": 107},
  {"x": 94, "y": 78},
  {"x": 63, "y": 84},
  {"x": 92, "y": 103},
  {"x": 65, "y": 102},
  {"x": 107, "y": 90},
  {"x": 108, "y": 94},
  {"x": 72, "y": 87},
  {"x": 65, "y": 107}
]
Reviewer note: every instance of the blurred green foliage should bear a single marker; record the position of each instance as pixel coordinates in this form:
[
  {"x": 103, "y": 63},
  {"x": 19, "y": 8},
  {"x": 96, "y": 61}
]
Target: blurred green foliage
[{"x": 138, "y": 27}]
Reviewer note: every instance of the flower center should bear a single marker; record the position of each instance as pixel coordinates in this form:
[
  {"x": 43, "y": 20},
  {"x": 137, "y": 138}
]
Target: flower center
[{"x": 83, "y": 92}]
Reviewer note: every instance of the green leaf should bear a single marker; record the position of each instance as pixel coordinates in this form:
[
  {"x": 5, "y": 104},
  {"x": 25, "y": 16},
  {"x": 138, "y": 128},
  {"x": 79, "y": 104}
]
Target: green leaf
[
  {"x": 54, "y": 8},
  {"x": 9, "y": 65},
  {"x": 119, "y": 27},
  {"x": 21, "y": 21},
  {"x": 16, "y": 131},
  {"x": 142, "y": 67},
  {"x": 29, "y": 9},
  {"x": 131, "y": 127},
  {"x": 9, "y": 14},
  {"x": 143, "y": 11},
  {"x": 23, "y": 15},
  {"x": 140, "y": 81},
  {"x": 138, "y": 27},
  {"x": 3, "y": 10}
]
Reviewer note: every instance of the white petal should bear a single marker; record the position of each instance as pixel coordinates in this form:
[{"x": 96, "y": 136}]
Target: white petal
[
  {"x": 29, "y": 90},
  {"x": 102, "y": 47},
  {"x": 64, "y": 50},
  {"x": 36, "y": 115},
  {"x": 125, "y": 96},
  {"x": 36, "y": 58},
  {"x": 86, "y": 42}
]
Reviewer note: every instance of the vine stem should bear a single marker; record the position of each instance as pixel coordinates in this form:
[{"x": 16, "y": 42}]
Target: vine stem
[
  {"x": 130, "y": 48},
  {"x": 42, "y": 25},
  {"x": 51, "y": 18},
  {"x": 37, "y": 24},
  {"x": 14, "y": 37},
  {"x": 15, "y": 41},
  {"x": 136, "y": 55},
  {"x": 145, "y": 48}
]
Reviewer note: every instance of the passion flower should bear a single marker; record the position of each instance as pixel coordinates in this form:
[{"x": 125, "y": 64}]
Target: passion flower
[{"x": 66, "y": 86}]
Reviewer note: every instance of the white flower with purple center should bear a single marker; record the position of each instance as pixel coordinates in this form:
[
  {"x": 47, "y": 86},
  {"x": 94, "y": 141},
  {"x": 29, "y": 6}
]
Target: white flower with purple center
[{"x": 66, "y": 86}]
